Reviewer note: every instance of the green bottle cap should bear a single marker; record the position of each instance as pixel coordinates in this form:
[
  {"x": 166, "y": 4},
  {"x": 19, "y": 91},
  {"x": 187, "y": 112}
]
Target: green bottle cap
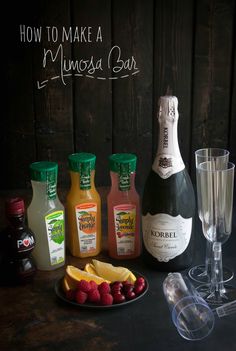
[
  {"x": 43, "y": 171},
  {"x": 81, "y": 159},
  {"x": 116, "y": 161}
]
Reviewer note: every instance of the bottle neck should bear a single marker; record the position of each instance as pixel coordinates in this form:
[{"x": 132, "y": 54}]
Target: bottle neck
[
  {"x": 44, "y": 190},
  {"x": 115, "y": 182},
  {"x": 16, "y": 221},
  {"x": 78, "y": 183},
  {"x": 168, "y": 158}
]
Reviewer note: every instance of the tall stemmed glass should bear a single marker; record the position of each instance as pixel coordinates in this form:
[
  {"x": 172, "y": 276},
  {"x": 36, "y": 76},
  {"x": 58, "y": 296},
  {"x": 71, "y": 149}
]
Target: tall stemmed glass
[
  {"x": 220, "y": 157},
  {"x": 215, "y": 188}
]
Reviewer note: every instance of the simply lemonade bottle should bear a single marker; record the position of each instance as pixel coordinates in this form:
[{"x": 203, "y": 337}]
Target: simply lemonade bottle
[
  {"x": 46, "y": 216},
  {"x": 83, "y": 207},
  {"x": 123, "y": 208}
]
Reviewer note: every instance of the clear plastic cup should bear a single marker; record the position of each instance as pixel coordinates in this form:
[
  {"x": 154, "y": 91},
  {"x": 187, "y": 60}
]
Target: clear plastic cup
[{"x": 190, "y": 314}]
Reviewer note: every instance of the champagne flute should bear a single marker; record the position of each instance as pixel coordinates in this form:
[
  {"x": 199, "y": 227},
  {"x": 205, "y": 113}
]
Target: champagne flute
[
  {"x": 201, "y": 273},
  {"x": 215, "y": 188}
]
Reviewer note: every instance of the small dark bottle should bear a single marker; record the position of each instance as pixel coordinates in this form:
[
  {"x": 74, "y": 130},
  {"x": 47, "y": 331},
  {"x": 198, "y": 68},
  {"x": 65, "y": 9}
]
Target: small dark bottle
[{"x": 17, "y": 242}]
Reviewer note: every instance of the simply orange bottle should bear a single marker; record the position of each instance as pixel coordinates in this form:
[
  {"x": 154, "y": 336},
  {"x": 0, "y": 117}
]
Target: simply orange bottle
[
  {"x": 83, "y": 207},
  {"x": 123, "y": 204}
]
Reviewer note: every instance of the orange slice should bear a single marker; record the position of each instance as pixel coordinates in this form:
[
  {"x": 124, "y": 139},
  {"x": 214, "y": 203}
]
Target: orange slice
[
  {"x": 90, "y": 268},
  {"x": 75, "y": 274},
  {"x": 112, "y": 273}
]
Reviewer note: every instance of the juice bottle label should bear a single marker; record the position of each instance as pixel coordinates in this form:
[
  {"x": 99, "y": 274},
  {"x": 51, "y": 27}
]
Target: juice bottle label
[
  {"x": 86, "y": 217},
  {"x": 85, "y": 176},
  {"x": 125, "y": 224},
  {"x": 51, "y": 185},
  {"x": 165, "y": 236},
  {"x": 124, "y": 177},
  {"x": 56, "y": 236}
]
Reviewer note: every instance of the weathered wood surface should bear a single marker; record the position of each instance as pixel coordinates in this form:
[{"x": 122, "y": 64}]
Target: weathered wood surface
[
  {"x": 32, "y": 318},
  {"x": 93, "y": 97},
  {"x": 182, "y": 47},
  {"x": 213, "y": 73},
  {"x": 53, "y": 104}
]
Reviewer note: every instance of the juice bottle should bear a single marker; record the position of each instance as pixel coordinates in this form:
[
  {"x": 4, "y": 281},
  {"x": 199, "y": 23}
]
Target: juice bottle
[
  {"x": 17, "y": 242},
  {"x": 83, "y": 207},
  {"x": 123, "y": 208},
  {"x": 46, "y": 216}
]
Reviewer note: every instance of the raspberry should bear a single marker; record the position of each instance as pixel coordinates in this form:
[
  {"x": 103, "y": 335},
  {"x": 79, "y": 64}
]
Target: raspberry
[
  {"x": 118, "y": 297},
  {"x": 140, "y": 280},
  {"x": 84, "y": 286},
  {"x": 128, "y": 287},
  {"x": 70, "y": 295},
  {"x": 139, "y": 288},
  {"x": 80, "y": 297},
  {"x": 106, "y": 299},
  {"x": 104, "y": 288},
  {"x": 130, "y": 295},
  {"x": 116, "y": 287},
  {"x": 94, "y": 296},
  {"x": 93, "y": 285}
]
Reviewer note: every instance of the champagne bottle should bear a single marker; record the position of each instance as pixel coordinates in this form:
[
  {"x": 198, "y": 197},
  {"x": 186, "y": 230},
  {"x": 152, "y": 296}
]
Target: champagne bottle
[{"x": 168, "y": 204}]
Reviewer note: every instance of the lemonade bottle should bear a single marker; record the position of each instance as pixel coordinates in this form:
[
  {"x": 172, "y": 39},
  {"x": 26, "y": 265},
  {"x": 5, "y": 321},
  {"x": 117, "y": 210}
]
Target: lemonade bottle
[
  {"x": 46, "y": 216},
  {"x": 83, "y": 207},
  {"x": 123, "y": 208}
]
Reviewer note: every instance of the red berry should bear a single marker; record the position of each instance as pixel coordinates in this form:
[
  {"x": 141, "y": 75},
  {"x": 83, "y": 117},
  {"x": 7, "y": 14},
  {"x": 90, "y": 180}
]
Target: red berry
[
  {"x": 126, "y": 282},
  {"x": 118, "y": 297},
  {"x": 140, "y": 280},
  {"x": 81, "y": 296},
  {"x": 94, "y": 296},
  {"x": 139, "y": 288},
  {"x": 116, "y": 287},
  {"x": 93, "y": 284},
  {"x": 106, "y": 299},
  {"x": 128, "y": 287},
  {"x": 104, "y": 288},
  {"x": 84, "y": 286},
  {"x": 130, "y": 295},
  {"x": 70, "y": 295}
]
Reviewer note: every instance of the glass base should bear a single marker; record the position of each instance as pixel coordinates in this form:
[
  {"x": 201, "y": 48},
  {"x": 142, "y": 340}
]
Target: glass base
[
  {"x": 199, "y": 274},
  {"x": 217, "y": 298}
]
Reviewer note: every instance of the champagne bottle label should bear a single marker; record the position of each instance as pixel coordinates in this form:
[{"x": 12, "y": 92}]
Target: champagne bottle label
[
  {"x": 166, "y": 165},
  {"x": 165, "y": 236},
  {"x": 168, "y": 160}
]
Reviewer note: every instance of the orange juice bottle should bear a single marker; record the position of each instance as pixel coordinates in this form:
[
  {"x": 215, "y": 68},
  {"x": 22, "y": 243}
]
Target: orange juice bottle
[
  {"x": 123, "y": 204},
  {"x": 83, "y": 207}
]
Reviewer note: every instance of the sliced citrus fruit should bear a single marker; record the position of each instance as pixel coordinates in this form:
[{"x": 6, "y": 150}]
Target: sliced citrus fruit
[
  {"x": 131, "y": 278},
  {"x": 67, "y": 285},
  {"x": 76, "y": 274},
  {"x": 110, "y": 272},
  {"x": 69, "y": 282},
  {"x": 90, "y": 268}
]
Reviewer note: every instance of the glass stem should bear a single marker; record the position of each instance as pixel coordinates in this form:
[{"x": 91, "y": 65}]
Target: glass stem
[
  {"x": 217, "y": 286},
  {"x": 208, "y": 259}
]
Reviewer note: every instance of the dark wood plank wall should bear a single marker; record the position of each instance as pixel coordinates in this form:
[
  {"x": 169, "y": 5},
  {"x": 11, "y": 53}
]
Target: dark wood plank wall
[
  {"x": 213, "y": 72},
  {"x": 182, "y": 47}
]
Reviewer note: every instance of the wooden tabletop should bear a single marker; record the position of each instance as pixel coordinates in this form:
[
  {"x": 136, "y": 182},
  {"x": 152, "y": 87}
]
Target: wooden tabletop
[{"x": 33, "y": 318}]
